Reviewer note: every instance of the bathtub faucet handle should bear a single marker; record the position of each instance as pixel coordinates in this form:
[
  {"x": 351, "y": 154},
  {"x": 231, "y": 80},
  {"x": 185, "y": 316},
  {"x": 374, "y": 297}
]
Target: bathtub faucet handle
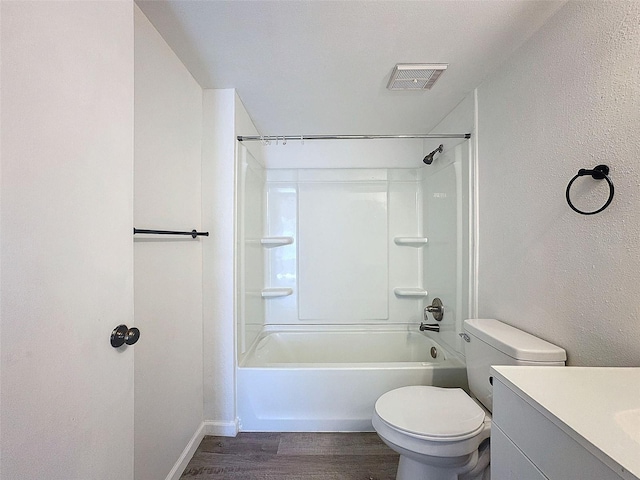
[
  {"x": 436, "y": 308},
  {"x": 432, "y": 327}
]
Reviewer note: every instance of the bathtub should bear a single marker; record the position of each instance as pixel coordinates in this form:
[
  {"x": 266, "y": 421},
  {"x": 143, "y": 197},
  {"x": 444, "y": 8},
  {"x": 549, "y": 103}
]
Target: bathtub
[{"x": 316, "y": 379}]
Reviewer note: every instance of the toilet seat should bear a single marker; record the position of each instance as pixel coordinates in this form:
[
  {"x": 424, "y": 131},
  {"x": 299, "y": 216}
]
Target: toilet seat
[{"x": 431, "y": 413}]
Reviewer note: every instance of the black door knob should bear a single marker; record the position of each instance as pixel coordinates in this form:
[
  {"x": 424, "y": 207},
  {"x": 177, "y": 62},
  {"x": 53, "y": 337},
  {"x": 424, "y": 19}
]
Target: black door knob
[
  {"x": 132, "y": 336},
  {"x": 123, "y": 334}
]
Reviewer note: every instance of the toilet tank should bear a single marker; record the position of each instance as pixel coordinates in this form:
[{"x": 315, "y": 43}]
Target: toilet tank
[{"x": 491, "y": 342}]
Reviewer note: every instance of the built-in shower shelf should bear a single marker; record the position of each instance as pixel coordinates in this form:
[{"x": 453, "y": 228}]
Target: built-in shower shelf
[
  {"x": 276, "y": 292},
  {"x": 410, "y": 241},
  {"x": 276, "y": 241},
  {"x": 409, "y": 292}
]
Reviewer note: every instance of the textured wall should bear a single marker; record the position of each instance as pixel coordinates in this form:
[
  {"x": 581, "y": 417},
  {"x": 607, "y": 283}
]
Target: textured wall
[
  {"x": 568, "y": 99},
  {"x": 167, "y": 271}
]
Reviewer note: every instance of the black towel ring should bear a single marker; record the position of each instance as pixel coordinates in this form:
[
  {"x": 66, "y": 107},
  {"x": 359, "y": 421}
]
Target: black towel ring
[{"x": 598, "y": 173}]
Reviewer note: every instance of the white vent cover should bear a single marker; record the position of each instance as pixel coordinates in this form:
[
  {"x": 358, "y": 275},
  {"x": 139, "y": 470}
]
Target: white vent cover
[{"x": 415, "y": 76}]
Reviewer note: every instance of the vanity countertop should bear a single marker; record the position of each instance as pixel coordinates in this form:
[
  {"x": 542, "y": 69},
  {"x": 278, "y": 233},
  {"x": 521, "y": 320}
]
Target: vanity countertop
[{"x": 598, "y": 406}]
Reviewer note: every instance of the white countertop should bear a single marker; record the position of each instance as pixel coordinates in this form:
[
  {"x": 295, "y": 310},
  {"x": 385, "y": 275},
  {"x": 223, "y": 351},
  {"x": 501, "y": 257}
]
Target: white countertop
[{"x": 598, "y": 406}]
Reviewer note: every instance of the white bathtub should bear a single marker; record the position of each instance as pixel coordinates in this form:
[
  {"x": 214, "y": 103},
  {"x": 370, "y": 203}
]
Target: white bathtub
[{"x": 328, "y": 379}]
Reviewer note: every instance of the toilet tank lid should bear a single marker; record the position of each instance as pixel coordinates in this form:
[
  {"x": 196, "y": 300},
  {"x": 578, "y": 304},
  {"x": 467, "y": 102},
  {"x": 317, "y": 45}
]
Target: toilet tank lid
[{"x": 514, "y": 342}]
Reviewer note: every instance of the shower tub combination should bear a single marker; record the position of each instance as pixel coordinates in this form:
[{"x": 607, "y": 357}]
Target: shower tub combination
[
  {"x": 329, "y": 378},
  {"x": 337, "y": 246}
]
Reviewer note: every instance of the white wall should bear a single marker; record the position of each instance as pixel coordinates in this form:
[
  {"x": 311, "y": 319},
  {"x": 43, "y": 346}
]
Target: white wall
[
  {"x": 66, "y": 246},
  {"x": 224, "y": 117},
  {"x": 217, "y": 259},
  {"x": 168, "y": 270},
  {"x": 568, "y": 99}
]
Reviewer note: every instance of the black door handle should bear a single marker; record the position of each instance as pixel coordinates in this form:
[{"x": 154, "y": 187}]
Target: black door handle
[{"x": 123, "y": 334}]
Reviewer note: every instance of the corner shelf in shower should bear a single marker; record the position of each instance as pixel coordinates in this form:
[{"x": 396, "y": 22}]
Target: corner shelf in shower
[
  {"x": 409, "y": 292},
  {"x": 410, "y": 241},
  {"x": 270, "y": 242},
  {"x": 276, "y": 292}
]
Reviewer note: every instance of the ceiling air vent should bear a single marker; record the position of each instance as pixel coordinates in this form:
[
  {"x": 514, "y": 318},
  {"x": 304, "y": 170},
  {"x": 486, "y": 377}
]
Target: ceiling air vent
[{"x": 415, "y": 76}]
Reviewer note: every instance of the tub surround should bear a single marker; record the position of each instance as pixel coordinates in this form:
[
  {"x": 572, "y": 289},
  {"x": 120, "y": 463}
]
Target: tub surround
[
  {"x": 589, "y": 414},
  {"x": 349, "y": 246},
  {"x": 342, "y": 263}
]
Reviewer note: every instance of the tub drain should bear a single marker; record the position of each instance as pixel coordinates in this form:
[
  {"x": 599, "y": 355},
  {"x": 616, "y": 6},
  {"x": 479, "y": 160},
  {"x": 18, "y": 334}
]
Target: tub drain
[{"x": 434, "y": 352}]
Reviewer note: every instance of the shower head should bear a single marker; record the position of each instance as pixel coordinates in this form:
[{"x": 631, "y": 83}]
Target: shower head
[{"x": 429, "y": 158}]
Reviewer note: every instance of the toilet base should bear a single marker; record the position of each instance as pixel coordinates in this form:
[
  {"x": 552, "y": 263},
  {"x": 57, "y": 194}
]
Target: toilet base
[
  {"x": 409, "y": 469},
  {"x": 470, "y": 467}
]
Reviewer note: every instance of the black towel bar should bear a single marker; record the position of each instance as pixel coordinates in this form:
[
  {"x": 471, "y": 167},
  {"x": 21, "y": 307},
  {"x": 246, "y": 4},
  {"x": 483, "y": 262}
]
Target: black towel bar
[{"x": 193, "y": 233}]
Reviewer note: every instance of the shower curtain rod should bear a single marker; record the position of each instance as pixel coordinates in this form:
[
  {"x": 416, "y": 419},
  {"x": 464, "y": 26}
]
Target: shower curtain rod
[{"x": 247, "y": 138}]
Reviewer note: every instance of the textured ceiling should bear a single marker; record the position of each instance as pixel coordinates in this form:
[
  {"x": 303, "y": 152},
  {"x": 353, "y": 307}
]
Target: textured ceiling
[{"x": 321, "y": 67}]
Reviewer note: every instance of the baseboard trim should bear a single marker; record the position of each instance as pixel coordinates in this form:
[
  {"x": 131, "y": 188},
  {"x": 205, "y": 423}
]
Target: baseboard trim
[
  {"x": 223, "y": 429},
  {"x": 187, "y": 453}
]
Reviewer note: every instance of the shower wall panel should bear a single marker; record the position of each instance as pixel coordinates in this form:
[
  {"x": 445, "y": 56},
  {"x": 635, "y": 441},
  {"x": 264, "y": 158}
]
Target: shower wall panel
[
  {"x": 343, "y": 264},
  {"x": 446, "y": 263},
  {"x": 405, "y": 261},
  {"x": 342, "y": 246},
  {"x": 353, "y": 245},
  {"x": 251, "y": 209},
  {"x": 281, "y": 268}
]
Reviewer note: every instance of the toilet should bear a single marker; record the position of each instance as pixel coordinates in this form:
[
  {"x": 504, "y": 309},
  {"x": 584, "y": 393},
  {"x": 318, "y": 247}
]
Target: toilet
[{"x": 443, "y": 433}]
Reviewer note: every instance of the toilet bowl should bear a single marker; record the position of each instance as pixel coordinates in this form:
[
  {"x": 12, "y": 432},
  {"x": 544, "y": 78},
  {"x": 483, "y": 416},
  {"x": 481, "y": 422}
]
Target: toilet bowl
[
  {"x": 443, "y": 433},
  {"x": 441, "y": 440}
]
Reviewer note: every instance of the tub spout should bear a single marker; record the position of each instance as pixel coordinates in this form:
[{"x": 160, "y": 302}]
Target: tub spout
[{"x": 432, "y": 327}]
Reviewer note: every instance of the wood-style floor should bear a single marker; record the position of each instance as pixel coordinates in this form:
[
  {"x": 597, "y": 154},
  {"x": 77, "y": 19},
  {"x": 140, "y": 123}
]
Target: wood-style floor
[{"x": 293, "y": 456}]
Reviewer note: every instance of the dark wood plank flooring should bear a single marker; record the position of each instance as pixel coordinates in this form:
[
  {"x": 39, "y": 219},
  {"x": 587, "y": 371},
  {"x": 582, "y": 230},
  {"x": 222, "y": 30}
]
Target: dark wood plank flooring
[{"x": 293, "y": 456}]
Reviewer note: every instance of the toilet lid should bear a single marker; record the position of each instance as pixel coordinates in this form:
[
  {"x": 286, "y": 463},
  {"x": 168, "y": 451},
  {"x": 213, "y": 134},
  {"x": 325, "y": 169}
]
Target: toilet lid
[{"x": 440, "y": 413}]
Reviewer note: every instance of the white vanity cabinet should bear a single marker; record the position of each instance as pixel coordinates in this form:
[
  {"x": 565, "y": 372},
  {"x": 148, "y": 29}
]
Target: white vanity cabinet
[{"x": 565, "y": 423}]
